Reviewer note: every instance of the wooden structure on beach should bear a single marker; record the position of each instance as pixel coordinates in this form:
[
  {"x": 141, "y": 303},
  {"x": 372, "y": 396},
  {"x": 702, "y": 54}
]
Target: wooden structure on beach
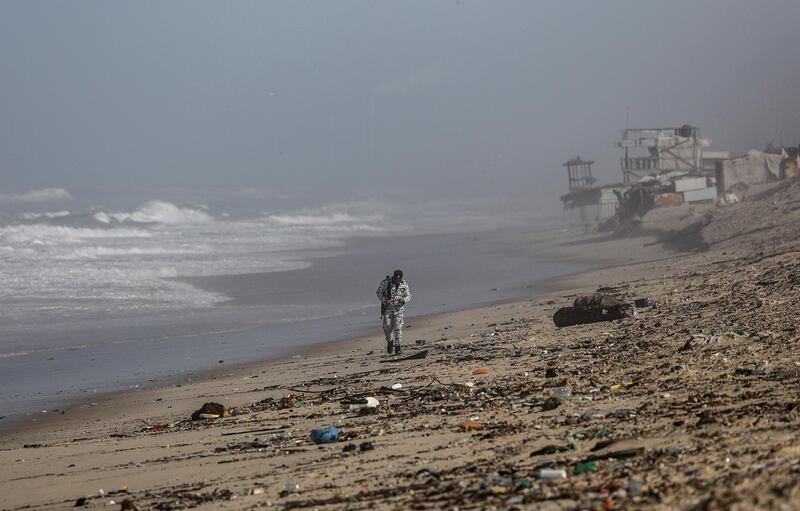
[
  {"x": 592, "y": 203},
  {"x": 579, "y": 174}
]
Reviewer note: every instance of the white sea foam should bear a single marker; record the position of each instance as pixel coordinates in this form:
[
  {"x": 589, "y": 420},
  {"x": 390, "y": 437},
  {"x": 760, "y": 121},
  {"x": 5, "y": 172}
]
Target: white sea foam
[
  {"x": 107, "y": 264},
  {"x": 45, "y": 234},
  {"x": 36, "y": 216},
  {"x": 43, "y": 195},
  {"x": 320, "y": 220},
  {"x": 161, "y": 212}
]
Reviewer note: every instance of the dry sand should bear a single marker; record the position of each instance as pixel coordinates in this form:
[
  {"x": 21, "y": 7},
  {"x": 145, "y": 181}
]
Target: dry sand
[{"x": 691, "y": 404}]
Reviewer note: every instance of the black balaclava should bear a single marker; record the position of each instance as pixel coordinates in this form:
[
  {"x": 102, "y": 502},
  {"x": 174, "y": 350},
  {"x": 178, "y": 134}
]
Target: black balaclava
[{"x": 397, "y": 278}]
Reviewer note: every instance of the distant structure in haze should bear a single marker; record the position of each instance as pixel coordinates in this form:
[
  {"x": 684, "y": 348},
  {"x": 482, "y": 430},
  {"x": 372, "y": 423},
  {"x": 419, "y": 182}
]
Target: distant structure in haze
[
  {"x": 668, "y": 167},
  {"x": 579, "y": 174},
  {"x": 593, "y": 203},
  {"x": 653, "y": 152}
]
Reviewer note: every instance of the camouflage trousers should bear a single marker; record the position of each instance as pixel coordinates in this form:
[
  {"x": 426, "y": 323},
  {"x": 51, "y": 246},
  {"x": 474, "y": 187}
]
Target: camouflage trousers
[{"x": 393, "y": 328}]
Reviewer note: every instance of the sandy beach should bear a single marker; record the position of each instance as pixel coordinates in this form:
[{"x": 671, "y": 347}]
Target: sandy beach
[{"x": 690, "y": 404}]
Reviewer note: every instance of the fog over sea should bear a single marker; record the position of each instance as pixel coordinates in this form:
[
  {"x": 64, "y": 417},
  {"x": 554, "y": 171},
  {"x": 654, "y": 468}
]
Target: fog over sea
[{"x": 96, "y": 299}]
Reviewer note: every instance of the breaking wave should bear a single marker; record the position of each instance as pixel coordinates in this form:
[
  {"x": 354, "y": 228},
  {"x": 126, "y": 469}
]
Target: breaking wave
[
  {"x": 43, "y": 195},
  {"x": 67, "y": 265},
  {"x": 45, "y": 234},
  {"x": 158, "y": 212}
]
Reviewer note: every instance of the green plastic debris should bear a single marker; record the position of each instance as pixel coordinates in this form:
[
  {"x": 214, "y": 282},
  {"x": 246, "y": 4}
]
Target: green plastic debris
[
  {"x": 583, "y": 468},
  {"x": 523, "y": 483}
]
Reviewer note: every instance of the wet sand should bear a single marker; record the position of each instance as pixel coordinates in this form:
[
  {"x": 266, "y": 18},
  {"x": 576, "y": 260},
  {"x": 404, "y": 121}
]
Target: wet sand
[
  {"x": 268, "y": 315},
  {"x": 691, "y": 404}
]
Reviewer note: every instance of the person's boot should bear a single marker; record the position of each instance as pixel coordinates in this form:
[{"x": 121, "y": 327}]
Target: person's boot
[
  {"x": 389, "y": 347},
  {"x": 397, "y": 350}
]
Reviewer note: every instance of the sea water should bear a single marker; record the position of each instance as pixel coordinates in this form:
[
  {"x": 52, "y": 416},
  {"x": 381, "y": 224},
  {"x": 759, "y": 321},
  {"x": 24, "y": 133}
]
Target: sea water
[{"x": 100, "y": 300}]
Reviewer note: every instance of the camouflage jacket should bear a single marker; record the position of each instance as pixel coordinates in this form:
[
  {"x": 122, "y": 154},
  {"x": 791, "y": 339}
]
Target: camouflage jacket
[{"x": 398, "y": 296}]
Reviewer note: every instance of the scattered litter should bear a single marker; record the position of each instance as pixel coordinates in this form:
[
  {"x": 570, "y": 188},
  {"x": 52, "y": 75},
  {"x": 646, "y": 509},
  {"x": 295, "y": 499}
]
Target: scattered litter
[
  {"x": 325, "y": 435},
  {"x": 549, "y": 474},
  {"x": 561, "y": 392},
  {"x": 128, "y": 505},
  {"x": 416, "y": 356},
  {"x": 290, "y": 488},
  {"x": 549, "y": 449},
  {"x": 471, "y": 425},
  {"x": 369, "y": 402},
  {"x": 591, "y": 309},
  {"x": 210, "y": 411},
  {"x": 583, "y": 468},
  {"x": 551, "y": 403}
]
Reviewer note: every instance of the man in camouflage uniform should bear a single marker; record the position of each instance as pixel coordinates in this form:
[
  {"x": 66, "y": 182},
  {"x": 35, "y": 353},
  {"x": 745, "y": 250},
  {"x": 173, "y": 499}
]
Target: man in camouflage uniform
[{"x": 394, "y": 294}]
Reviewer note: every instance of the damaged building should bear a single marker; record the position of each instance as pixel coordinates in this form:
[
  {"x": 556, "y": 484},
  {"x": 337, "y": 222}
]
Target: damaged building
[{"x": 668, "y": 167}]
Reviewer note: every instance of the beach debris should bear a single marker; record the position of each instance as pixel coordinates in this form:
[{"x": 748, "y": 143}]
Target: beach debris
[
  {"x": 562, "y": 392},
  {"x": 290, "y": 488},
  {"x": 487, "y": 335},
  {"x": 551, "y": 403},
  {"x": 363, "y": 446},
  {"x": 725, "y": 403},
  {"x": 368, "y": 402},
  {"x": 416, "y": 356},
  {"x": 621, "y": 454},
  {"x": 397, "y": 386},
  {"x": 641, "y": 303},
  {"x": 550, "y": 474},
  {"x": 591, "y": 309},
  {"x": 623, "y": 385},
  {"x": 550, "y": 449},
  {"x": 128, "y": 505},
  {"x": 481, "y": 372},
  {"x": 325, "y": 435},
  {"x": 80, "y": 502},
  {"x": 550, "y": 372},
  {"x": 583, "y": 468},
  {"x": 209, "y": 411},
  {"x": 471, "y": 425},
  {"x": 290, "y": 400}
]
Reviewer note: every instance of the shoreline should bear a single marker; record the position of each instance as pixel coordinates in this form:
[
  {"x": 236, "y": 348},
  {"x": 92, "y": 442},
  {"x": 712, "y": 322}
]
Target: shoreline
[
  {"x": 690, "y": 403},
  {"x": 331, "y": 300},
  {"x": 245, "y": 340},
  {"x": 538, "y": 289}
]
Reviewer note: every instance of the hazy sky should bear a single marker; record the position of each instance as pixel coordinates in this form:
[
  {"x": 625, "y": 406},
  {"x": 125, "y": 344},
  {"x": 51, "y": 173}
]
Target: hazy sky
[{"x": 355, "y": 99}]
